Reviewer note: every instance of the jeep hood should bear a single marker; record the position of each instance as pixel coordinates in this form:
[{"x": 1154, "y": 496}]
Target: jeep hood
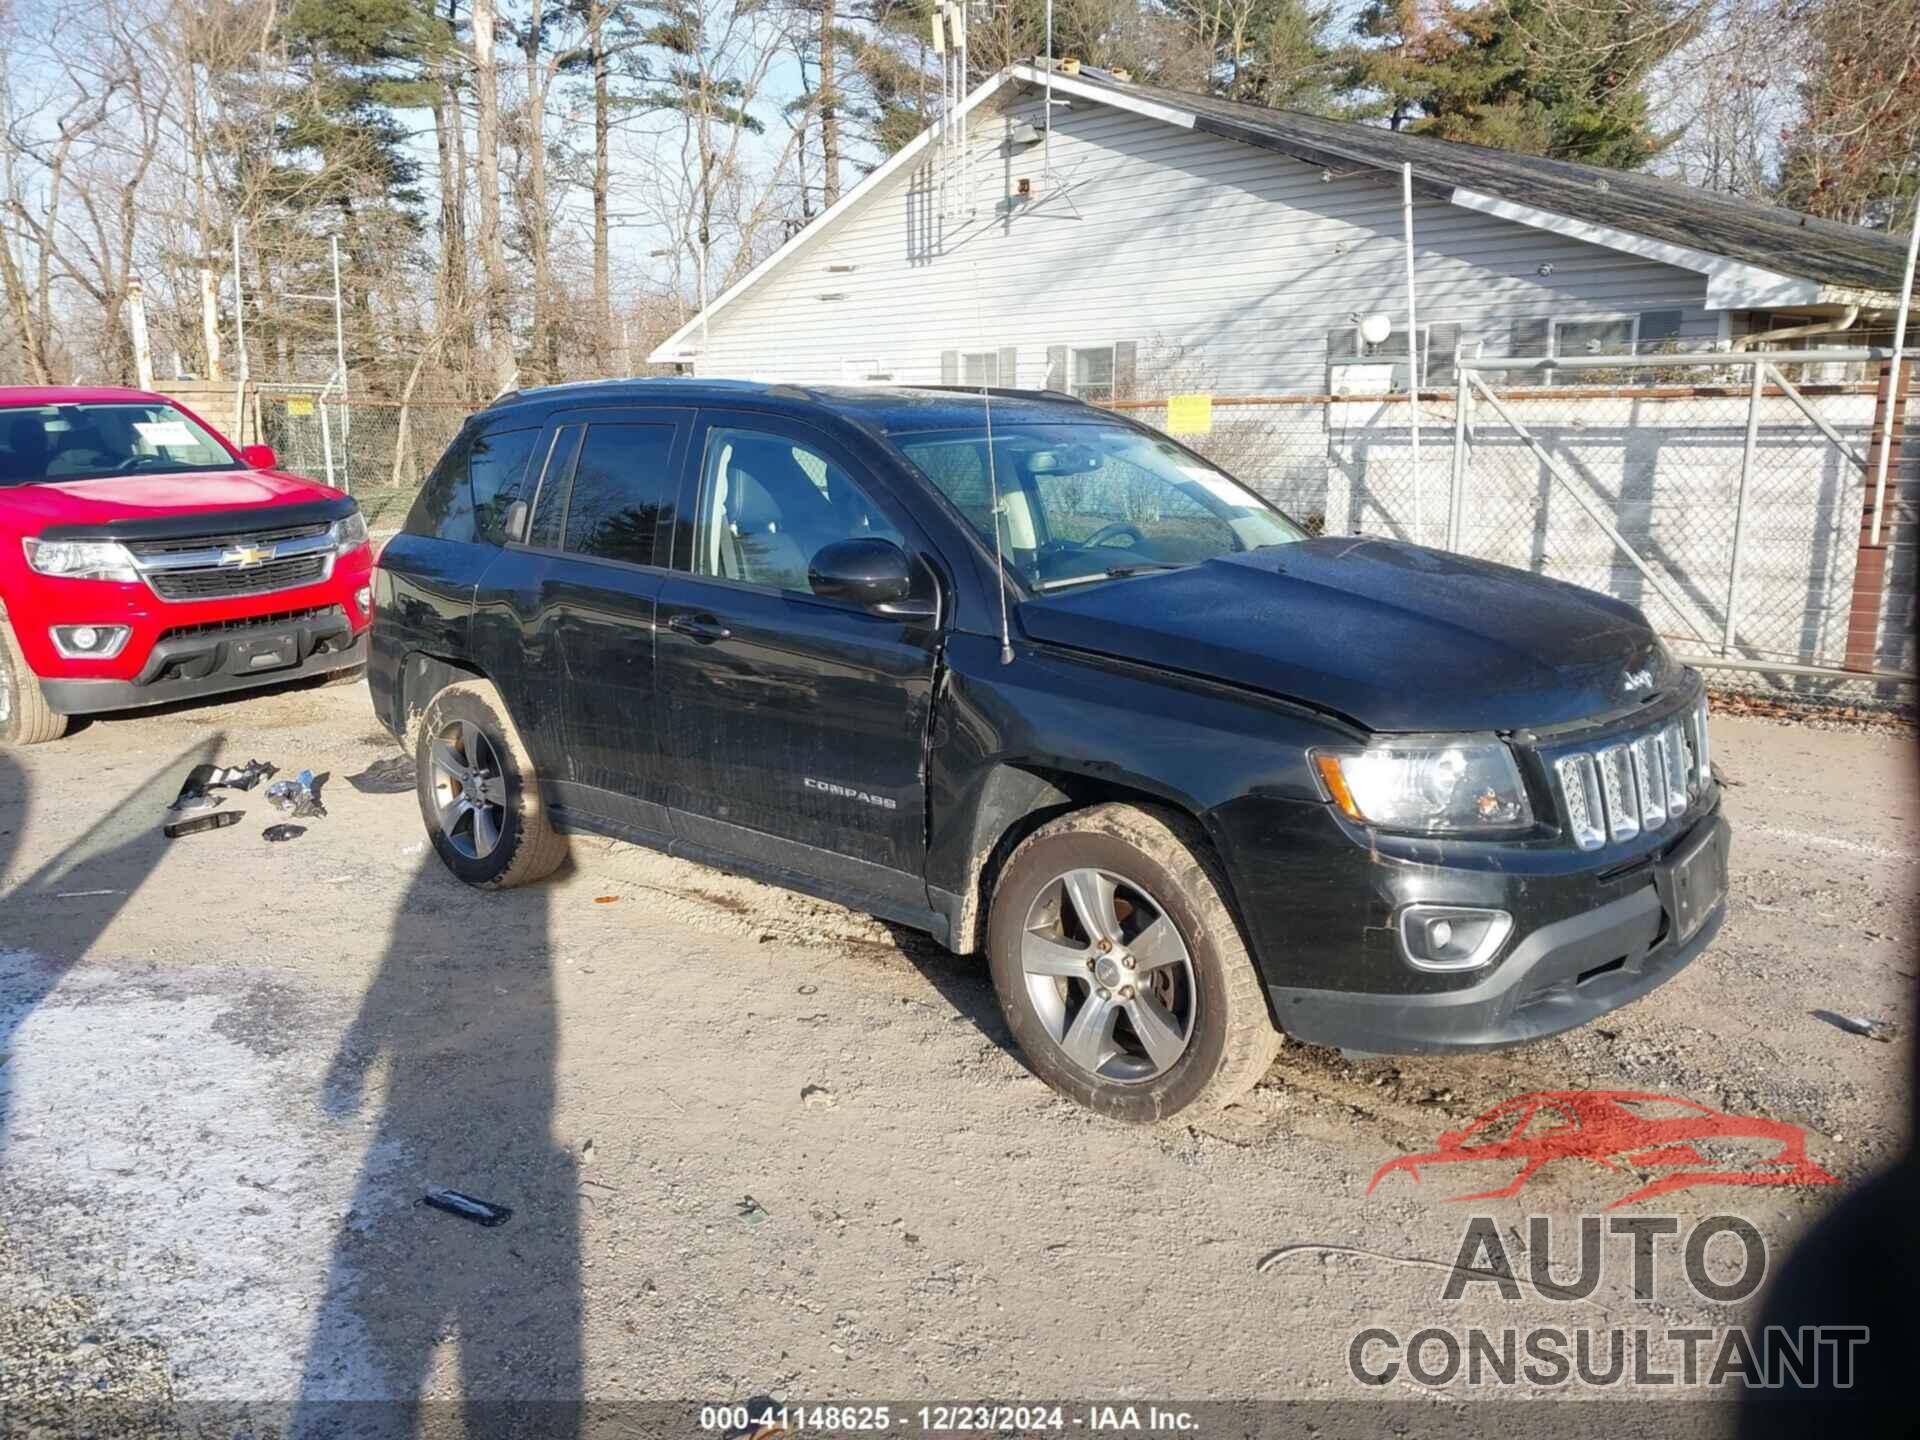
[
  {"x": 135, "y": 506},
  {"x": 1397, "y": 637}
]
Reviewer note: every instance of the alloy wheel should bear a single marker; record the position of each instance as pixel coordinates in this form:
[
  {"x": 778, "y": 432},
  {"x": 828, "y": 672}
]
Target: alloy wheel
[
  {"x": 469, "y": 789},
  {"x": 1109, "y": 976}
]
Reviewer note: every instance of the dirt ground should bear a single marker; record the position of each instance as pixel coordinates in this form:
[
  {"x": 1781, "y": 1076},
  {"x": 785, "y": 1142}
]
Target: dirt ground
[{"x": 755, "y": 1144}]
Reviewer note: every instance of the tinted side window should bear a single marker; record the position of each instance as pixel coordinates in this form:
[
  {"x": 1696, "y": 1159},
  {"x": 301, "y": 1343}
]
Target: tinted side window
[
  {"x": 622, "y": 492},
  {"x": 550, "y": 509},
  {"x": 497, "y": 470},
  {"x": 444, "y": 506}
]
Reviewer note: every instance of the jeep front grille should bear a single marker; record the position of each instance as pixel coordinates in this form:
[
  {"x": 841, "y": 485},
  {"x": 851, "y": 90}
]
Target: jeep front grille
[{"x": 1639, "y": 782}]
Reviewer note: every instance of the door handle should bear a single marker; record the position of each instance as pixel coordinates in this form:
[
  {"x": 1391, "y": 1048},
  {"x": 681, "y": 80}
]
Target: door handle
[{"x": 703, "y": 628}]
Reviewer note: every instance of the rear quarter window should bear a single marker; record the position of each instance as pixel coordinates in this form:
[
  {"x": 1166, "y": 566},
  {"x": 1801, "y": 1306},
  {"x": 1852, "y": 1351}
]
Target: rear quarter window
[{"x": 469, "y": 492}]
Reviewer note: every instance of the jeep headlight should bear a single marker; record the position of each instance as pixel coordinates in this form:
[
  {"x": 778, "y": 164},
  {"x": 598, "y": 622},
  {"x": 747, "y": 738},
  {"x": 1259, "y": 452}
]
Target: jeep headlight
[
  {"x": 1431, "y": 784},
  {"x": 80, "y": 559},
  {"x": 350, "y": 533}
]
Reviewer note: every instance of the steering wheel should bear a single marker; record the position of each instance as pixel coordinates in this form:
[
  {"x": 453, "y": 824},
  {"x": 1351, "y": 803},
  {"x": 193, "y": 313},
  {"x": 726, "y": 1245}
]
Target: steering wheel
[{"x": 1119, "y": 527}]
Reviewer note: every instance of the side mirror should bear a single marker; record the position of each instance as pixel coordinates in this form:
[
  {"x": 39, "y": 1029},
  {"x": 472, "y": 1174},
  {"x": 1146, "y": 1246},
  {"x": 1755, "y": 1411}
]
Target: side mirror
[
  {"x": 514, "y": 527},
  {"x": 260, "y": 457},
  {"x": 870, "y": 572}
]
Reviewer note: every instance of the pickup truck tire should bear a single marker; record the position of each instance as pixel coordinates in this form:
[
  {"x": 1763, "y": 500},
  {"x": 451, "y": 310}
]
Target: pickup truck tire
[
  {"x": 25, "y": 716},
  {"x": 1192, "y": 988},
  {"x": 478, "y": 794}
]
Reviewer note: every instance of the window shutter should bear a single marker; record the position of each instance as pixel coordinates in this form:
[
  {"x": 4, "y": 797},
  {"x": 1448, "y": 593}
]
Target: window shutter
[
  {"x": 1530, "y": 337},
  {"x": 1443, "y": 344},
  {"x": 949, "y": 367},
  {"x": 1124, "y": 352},
  {"x": 1056, "y": 367},
  {"x": 1008, "y": 375},
  {"x": 1657, "y": 327},
  {"x": 1342, "y": 345}
]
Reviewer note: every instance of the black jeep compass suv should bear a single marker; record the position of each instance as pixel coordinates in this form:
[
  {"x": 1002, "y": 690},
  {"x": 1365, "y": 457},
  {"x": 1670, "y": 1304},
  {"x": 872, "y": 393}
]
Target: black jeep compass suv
[{"x": 1040, "y": 681}]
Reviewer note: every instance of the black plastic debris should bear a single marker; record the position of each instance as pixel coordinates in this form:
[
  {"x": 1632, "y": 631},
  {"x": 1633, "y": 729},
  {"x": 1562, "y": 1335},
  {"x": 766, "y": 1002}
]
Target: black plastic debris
[
  {"x": 392, "y": 775},
  {"x": 242, "y": 777},
  {"x": 194, "y": 824},
  {"x": 298, "y": 797},
  {"x": 283, "y": 832},
  {"x": 203, "y": 778},
  {"x": 480, "y": 1212}
]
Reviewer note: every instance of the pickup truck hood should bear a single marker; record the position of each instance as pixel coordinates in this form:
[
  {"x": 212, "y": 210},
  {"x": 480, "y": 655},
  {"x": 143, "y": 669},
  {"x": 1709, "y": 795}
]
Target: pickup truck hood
[
  {"x": 119, "y": 503},
  {"x": 1394, "y": 636}
]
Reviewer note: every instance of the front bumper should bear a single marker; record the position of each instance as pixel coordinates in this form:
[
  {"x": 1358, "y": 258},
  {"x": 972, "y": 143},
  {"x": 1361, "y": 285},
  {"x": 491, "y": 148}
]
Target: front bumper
[
  {"x": 216, "y": 661},
  {"x": 1558, "y": 976}
]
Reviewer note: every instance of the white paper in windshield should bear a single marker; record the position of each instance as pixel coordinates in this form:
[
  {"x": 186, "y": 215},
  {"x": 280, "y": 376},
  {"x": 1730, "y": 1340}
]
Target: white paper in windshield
[{"x": 159, "y": 433}]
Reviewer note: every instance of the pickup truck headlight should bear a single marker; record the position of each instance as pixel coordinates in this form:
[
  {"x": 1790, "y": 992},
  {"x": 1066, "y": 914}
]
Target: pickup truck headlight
[
  {"x": 350, "y": 533},
  {"x": 1429, "y": 784},
  {"x": 80, "y": 559}
]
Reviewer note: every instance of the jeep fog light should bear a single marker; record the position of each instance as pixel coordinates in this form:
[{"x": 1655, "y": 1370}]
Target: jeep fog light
[
  {"x": 89, "y": 642},
  {"x": 1451, "y": 937}
]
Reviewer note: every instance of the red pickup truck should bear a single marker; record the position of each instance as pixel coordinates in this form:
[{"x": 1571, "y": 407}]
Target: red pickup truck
[{"x": 144, "y": 559}]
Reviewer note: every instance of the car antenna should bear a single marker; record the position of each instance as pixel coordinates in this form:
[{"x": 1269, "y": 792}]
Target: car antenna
[{"x": 993, "y": 482}]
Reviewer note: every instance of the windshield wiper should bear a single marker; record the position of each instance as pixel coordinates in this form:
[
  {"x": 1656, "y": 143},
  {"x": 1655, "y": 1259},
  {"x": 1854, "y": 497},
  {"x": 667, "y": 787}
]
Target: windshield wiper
[{"x": 1117, "y": 572}]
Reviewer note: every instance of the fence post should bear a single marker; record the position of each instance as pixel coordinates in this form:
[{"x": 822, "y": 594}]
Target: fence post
[
  {"x": 1740, "y": 507},
  {"x": 1456, "y": 493},
  {"x": 1870, "y": 558}
]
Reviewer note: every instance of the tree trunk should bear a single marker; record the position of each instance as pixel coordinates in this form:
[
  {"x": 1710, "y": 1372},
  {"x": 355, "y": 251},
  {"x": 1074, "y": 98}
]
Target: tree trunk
[
  {"x": 602, "y": 178},
  {"x": 486, "y": 95},
  {"x": 536, "y": 222},
  {"x": 829, "y": 110},
  {"x": 33, "y": 350}
]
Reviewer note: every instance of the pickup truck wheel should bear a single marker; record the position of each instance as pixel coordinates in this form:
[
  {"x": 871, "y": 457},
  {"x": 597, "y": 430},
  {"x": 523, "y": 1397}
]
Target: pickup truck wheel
[
  {"x": 1120, "y": 969},
  {"x": 478, "y": 793},
  {"x": 25, "y": 716}
]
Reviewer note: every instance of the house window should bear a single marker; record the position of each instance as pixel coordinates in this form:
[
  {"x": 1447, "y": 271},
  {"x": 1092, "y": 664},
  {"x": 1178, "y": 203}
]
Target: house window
[
  {"x": 1092, "y": 377},
  {"x": 980, "y": 367},
  {"x": 1602, "y": 335},
  {"x": 1438, "y": 346}
]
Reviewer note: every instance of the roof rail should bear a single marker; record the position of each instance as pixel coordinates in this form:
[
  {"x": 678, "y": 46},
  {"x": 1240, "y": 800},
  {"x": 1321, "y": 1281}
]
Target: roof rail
[{"x": 1004, "y": 392}]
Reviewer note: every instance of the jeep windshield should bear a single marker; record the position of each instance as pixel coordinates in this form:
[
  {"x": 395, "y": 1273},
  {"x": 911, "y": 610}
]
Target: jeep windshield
[
  {"x": 1082, "y": 502},
  {"x": 91, "y": 442}
]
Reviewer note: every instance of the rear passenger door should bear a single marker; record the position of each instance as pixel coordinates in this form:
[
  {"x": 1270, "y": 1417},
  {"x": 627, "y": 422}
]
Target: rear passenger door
[
  {"x": 582, "y": 587},
  {"x": 794, "y": 726}
]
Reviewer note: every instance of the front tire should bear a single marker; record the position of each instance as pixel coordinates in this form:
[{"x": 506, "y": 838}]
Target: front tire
[
  {"x": 25, "y": 716},
  {"x": 478, "y": 793},
  {"x": 1121, "y": 969}
]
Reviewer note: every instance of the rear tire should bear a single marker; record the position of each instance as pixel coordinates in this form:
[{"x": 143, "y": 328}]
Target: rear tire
[
  {"x": 25, "y": 716},
  {"x": 1122, "y": 971},
  {"x": 478, "y": 793}
]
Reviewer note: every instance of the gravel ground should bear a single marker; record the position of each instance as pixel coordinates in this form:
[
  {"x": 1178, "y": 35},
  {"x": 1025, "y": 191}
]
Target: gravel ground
[{"x": 753, "y": 1143}]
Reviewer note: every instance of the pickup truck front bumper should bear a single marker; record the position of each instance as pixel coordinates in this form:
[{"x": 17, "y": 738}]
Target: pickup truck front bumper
[{"x": 1584, "y": 945}]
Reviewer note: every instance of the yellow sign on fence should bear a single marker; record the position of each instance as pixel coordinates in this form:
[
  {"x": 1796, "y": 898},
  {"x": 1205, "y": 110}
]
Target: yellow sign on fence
[
  {"x": 1189, "y": 414},
  {"x": 299, "y": 405}
]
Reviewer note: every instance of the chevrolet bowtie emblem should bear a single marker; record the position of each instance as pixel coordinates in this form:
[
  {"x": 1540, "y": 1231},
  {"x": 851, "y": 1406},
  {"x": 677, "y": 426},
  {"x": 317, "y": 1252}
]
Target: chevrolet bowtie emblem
[{"x": 246, "y": 555}]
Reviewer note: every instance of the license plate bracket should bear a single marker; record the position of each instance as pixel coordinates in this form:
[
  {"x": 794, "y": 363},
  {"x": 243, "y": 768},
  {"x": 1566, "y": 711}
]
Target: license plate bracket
[
  {"x": 252, "y": 654},
  {"x": 1696, "y": 882}
]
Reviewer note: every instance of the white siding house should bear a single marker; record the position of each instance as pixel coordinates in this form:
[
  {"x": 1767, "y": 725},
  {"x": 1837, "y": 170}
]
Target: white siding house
[{"x": 1141, "y": 251}]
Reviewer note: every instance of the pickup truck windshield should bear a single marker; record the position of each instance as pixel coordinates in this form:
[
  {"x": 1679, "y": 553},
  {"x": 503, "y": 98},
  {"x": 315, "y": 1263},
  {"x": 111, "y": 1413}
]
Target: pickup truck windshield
[
  {"x": 90, "y": 442},
  {"x": 1084, "y": 502}
]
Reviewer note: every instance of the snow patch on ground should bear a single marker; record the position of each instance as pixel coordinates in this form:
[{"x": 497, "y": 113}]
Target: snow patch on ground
[{"x": 187, "y": 1179}]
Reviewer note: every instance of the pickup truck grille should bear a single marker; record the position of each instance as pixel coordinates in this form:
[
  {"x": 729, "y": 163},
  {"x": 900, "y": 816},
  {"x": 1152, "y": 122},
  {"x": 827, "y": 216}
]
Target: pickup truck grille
[
  {"x": 222, "y": 566},
  {"x": 218, "y": 582},
  {"x": 1639, "y": 781}
]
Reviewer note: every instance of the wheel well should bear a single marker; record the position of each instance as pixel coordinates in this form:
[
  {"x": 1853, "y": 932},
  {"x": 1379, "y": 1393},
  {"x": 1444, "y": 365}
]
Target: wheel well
[
  {"x": 1016, "y": 801},
  {"x": 422, "y": 677}
]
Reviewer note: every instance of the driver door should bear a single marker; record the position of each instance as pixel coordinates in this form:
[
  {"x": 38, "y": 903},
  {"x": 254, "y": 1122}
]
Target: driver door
[{"x": 793, "y": 727}]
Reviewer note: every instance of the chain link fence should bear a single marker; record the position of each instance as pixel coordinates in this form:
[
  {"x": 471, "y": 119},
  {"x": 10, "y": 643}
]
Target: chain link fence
[
  {"x": 1735, "y": 511},
  {"x": 378, "y": 451}
]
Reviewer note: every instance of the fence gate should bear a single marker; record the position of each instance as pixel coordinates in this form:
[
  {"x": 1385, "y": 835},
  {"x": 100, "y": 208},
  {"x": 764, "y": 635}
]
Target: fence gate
[
  {"x": 308, "y": 426},
  {"x": 1732, "y": 497}
]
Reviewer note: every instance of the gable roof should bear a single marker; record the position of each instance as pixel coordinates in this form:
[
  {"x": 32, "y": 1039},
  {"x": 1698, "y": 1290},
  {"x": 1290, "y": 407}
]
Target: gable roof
[
  {"x": 1754, "y": 256},
  {"x": 1768, "y": 236}
]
